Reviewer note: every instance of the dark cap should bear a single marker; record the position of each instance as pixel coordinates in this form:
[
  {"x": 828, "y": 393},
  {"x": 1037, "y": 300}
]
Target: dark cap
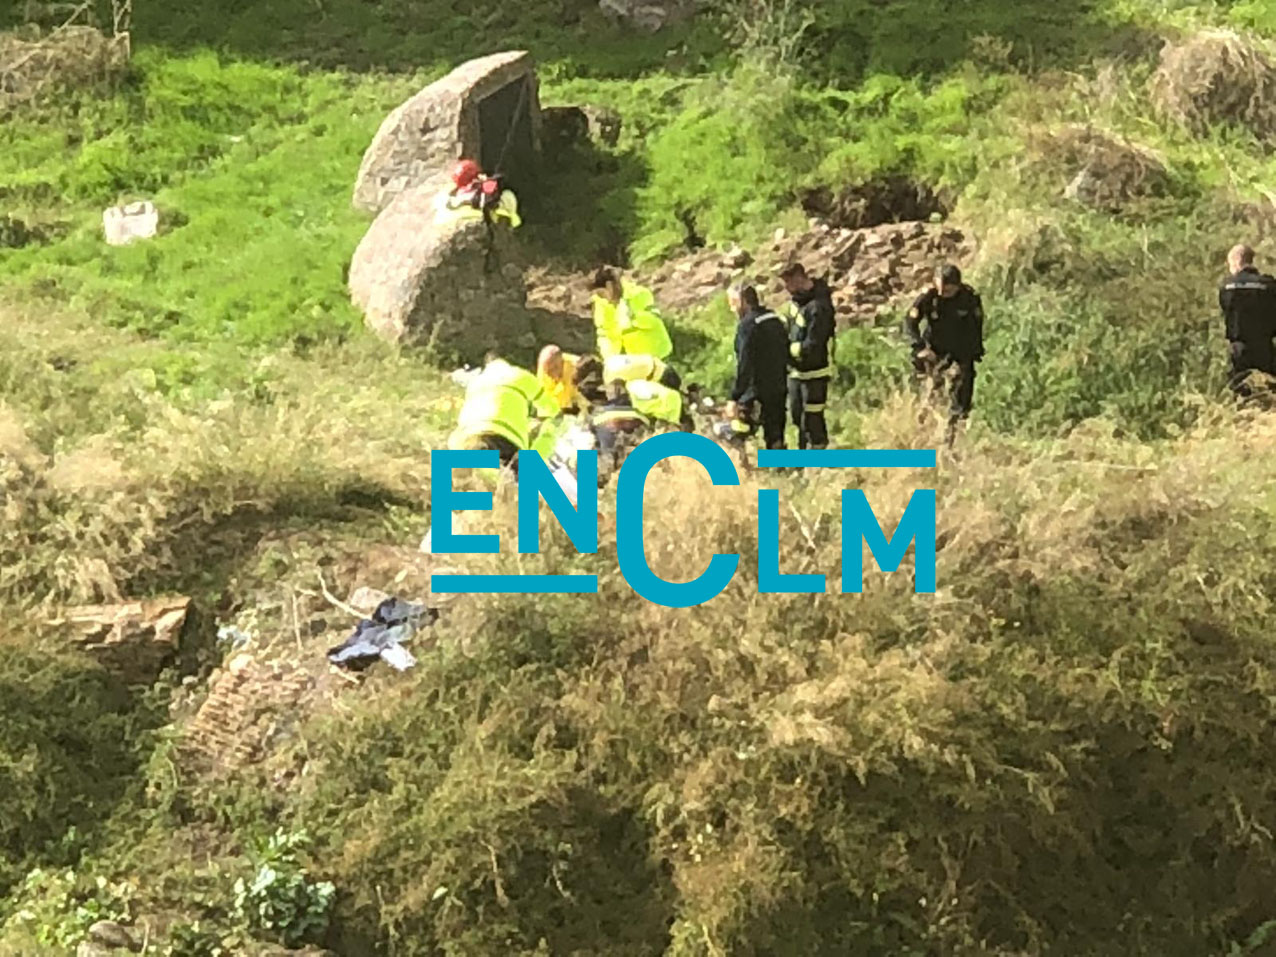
[
  {"x": 604, "y": 277},
  {"x": 949, "y": 275}
]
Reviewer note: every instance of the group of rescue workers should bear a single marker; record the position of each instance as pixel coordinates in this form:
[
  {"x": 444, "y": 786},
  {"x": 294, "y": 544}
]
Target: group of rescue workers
[
  {"x": 784, "y": 358},
  {"x": 627, "y": 389}
]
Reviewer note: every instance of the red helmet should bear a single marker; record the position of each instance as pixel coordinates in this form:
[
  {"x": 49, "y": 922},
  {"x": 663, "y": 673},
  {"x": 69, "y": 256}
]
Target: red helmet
[{"x": 465, "y": 172}]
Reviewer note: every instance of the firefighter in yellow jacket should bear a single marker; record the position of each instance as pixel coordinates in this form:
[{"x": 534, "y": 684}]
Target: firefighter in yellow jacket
[
  {"x": 476, "y": 196},
  {"x": 626, "y": 319},
  {"x": 502, "y": 410}
]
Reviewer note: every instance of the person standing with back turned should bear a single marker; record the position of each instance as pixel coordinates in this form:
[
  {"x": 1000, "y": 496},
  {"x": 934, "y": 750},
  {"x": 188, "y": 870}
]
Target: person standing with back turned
[
  {"x": 1248, "y": 300},
  {"x": 811, "y": 327},
  {"x": 761, "y": 355}
]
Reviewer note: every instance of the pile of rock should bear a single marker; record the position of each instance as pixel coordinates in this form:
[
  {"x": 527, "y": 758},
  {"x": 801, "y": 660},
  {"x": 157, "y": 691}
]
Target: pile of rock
[
  {"x": 134, "y": 639},
  {"x": 251, "y": 702},
  {"x": 873, "y": 270},
  {"x": 869, "y": 270}
]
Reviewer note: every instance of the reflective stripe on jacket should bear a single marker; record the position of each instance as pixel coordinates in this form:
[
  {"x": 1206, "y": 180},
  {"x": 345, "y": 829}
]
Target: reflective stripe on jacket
[
  {"x": 628, "y": 368},
  {"x": 656, "y": 401}
]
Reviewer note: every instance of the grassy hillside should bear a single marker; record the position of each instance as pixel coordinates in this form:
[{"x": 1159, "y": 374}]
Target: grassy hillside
[{"x": 1064, "y": 752}]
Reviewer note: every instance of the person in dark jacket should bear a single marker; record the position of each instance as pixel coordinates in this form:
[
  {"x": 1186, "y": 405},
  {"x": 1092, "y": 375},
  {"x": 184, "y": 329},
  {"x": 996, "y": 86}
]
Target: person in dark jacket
[
  {"x": 1248, "y": 300},
  {"x": 761, "y": 362},
  {"x": 952, "y": 341},
  {"x": 812, "y": 323}
]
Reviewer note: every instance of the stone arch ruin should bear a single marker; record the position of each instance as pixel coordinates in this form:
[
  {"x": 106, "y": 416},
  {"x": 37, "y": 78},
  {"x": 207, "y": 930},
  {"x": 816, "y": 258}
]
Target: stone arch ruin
[
  {"x": 454, "y": 287},
  {"x": 487, "y": 109}
]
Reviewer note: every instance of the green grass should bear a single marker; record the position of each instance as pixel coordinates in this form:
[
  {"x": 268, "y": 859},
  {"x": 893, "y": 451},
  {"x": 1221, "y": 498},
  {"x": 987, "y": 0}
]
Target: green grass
[{"x": 1062, "y": 753}]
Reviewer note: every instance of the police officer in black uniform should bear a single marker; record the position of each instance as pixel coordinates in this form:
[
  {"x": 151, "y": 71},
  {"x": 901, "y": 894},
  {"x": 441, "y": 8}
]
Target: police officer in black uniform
[
  {"x": 953, "y": 339},
  {"x": 1248, "y": 300},
  {"x": 761, "y": 355},
  {"x": 812, "y": 324}
]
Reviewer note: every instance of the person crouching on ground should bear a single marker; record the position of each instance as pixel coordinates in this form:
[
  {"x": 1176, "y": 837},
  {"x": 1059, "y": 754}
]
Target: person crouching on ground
[
  {"x": 502, "y": 407},
  {"x": 626, "y": 319}
]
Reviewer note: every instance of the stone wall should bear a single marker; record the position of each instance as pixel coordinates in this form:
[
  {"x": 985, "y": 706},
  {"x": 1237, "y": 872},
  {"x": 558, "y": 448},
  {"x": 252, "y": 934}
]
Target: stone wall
[{"x": 424, "y": 136}]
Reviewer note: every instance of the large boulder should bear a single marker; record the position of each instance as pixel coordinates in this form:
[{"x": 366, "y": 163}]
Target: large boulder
[
  {"x": 487, "y": 109},
  {"x": 454, "y": 287}
]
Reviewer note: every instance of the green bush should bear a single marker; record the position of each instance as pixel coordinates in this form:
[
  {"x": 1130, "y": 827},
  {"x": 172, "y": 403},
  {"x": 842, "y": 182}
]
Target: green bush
[
  {"x": 280, "y": 900},
  {"x": 56, "y": 909}
]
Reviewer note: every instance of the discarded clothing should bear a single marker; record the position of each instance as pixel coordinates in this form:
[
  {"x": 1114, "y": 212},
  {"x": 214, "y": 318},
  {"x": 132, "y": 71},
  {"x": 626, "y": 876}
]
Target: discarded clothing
[{"x": 381, "y": 636}]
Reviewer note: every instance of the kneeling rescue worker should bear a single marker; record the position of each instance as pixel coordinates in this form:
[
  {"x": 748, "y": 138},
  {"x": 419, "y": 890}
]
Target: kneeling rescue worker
[
  {"x": 626, "y": 319},
  {"x": 502, "y": 406},
  {"x": 1248, "y": 300},
  {"x": 557, "y": 372},
  {"x": 812, "y": 324},
  {"x": 478, "y": 196}
]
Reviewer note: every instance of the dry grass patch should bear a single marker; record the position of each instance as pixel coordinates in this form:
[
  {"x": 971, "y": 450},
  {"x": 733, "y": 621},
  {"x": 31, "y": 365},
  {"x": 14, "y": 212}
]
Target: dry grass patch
[{"x": 1218, "y": 77}]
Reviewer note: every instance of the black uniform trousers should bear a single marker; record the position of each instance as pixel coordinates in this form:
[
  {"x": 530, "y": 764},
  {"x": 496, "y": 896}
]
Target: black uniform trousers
[
  {"x": 1247, "y": 357},
  {"x": 960, "y": 375},
  {"x": 505, "y": 448},
  {"x": 769, "y": 412},
  {"x": 807, "y": 398}
]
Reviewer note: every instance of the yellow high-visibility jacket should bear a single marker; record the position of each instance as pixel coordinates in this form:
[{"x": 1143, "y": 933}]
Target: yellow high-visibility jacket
[
  {"x": 631, "y": 327},
  {"x": 562, "y": 391},
  {"x": 449, "y": 207},
  {"x": 656, "y": 401},
  {"x": 503, "y": 400},
  {"x": 629, "y": 368}
]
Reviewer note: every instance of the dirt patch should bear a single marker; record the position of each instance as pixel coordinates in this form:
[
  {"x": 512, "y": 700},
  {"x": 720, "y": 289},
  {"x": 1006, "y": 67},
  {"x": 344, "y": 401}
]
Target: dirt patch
[
  {"x": 1218, "y": 77},
  {"x": 877, "y": 203},
  {"x": 17, "y": 233},
  {"x": 269, "y": 686}
]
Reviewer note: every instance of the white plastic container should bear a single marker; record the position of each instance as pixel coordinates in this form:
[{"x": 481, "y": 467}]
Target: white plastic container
[{"x": 127, "y": 224}]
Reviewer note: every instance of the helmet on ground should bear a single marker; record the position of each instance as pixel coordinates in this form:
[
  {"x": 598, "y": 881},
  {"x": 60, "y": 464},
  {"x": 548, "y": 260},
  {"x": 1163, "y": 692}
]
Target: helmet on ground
[{"x": 465, "y": 172}]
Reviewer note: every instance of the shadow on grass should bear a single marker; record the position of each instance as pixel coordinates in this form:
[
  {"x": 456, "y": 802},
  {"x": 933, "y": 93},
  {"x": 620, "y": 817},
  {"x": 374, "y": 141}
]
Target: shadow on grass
[
  {"x": 70, "y": 754},
  {"x": 409, "y": 36},
  {"x": 851, "y": 38}
]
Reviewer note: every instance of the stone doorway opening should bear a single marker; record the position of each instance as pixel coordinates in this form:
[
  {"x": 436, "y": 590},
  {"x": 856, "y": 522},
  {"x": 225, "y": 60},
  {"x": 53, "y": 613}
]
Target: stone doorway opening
[{"x": 508, "y": 144}]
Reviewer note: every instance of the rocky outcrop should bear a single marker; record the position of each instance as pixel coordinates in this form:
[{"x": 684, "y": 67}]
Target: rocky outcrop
[
  {"x": 444, "y": 122},
  {"x": 454, "y": 287},
  {"x": 134, "y": 639}
]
